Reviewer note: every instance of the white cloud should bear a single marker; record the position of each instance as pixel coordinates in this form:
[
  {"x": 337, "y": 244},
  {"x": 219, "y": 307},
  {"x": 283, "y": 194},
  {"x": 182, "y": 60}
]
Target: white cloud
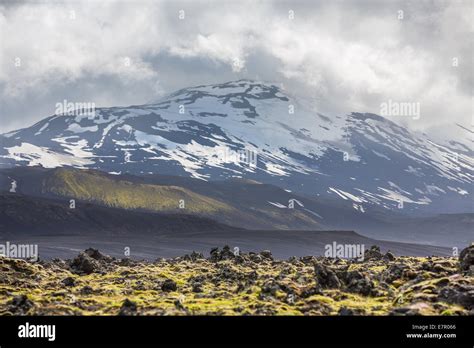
[{"x": 346, "y": 57}]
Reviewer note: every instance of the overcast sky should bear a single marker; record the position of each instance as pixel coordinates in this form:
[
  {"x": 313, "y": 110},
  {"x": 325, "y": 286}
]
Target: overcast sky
[{"x": 344, "y": 55}]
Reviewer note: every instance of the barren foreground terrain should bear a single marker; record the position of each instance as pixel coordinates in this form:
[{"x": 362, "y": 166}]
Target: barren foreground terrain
[{"x": 246, "y": 284}]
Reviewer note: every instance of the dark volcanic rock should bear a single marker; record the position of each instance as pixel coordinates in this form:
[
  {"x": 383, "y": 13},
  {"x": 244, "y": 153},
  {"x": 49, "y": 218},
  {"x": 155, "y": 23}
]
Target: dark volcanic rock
[
  {"x": 466, "y": 260},
  {"x": 359, "y": 283},
  {"x": 256, "y": 258},
  {"x": 389, "y": 256},
  {"x": 307, "y": 260},
  {"x": 344, "y": 311},
  {"x": 169, "y": 285},
  {"x": 227, "y": 273},
  {"x": 194, "y": 256},
  {"x": 128, "y": 308},
  {"x": 69, "y": 281},
  {"x": 20, "y": 304},
  {"x": 326, "y": 277},
  {"x": 270, "y": 288},
  {"x": 84, "y": 264},
  {"x": 266, "y": 254},
  {"x": 461, "y": 294},
  {"x": 310, "y": 291},
  {"x": 219, "y": 255},
  {"x": 97, "y": 255},
  {"x": 441, "y": 268},
  {"x": 394, "y": 271},
  {"x": 373, "y": 253},
  {"x": 196, "y": 287},
  {"x": 87, "y": 290}
]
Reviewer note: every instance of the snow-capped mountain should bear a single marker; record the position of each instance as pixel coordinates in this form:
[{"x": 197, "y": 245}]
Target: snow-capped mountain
[{"x": 257, "y": 131}]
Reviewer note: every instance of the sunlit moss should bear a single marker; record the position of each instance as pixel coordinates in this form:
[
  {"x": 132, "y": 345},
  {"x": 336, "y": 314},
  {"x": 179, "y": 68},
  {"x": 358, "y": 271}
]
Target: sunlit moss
[
  {"x": 141, "y": 283},
  {"x": 123, "y": 194}
]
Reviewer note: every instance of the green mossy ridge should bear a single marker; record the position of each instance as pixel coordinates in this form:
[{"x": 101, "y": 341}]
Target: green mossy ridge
[
  {"x": 101, "y": 189},
  {"x": 131, "y": 193}
]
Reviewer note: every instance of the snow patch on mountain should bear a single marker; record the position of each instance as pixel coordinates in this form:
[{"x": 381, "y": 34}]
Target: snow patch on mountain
[
  {"x": 203, "y": 131},
  {"x": 36, "y": 155},
  {"x": 76, "y": 128}
]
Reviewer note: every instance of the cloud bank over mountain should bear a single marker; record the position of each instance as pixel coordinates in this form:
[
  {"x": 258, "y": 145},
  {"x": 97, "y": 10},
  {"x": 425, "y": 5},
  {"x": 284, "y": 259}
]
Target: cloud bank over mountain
[{"x": 347, "y": 56}]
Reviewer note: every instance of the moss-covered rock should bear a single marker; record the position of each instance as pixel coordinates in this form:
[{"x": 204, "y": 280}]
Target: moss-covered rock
[{"x": 228, "y": 284}]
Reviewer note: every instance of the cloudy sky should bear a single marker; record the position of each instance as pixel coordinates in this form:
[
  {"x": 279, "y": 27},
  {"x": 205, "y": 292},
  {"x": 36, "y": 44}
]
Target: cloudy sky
[{"x": 343, "y": 55}]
